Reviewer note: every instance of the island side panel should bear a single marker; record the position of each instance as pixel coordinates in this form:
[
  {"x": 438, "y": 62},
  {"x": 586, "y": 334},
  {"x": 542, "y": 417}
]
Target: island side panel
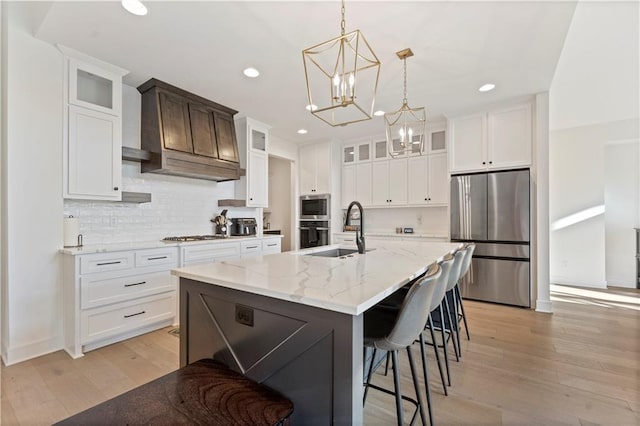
[{"x": 311, "y": 355}]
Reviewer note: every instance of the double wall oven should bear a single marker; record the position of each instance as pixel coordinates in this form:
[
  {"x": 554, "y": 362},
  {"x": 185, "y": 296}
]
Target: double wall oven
[{"x": 315, "y": 220}]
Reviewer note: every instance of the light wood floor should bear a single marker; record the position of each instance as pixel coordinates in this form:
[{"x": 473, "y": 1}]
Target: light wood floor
[{"x": 579, "y": 366}]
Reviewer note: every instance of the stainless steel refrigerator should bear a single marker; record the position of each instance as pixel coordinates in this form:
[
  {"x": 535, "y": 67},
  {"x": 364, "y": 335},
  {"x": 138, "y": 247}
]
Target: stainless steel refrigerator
[{"x": 492, "y": 210}]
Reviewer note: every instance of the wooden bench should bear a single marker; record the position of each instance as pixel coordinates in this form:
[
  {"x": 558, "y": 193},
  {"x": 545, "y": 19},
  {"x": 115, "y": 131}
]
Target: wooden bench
[{"x": 205, "y": 393}]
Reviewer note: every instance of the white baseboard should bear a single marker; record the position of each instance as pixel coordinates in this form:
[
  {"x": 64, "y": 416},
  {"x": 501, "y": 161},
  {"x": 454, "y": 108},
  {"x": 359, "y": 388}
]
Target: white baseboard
[
  {"x": 544, "y": 306},
  {"x": 576, "y": 283},
  {"x": 14, "y": 355}
]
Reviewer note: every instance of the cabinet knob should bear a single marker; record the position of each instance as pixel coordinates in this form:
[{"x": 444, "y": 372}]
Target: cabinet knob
[
  {"x": 490, "y": 162},
  {"x": 250, "y": 199},
  {"x": 115, "y": 188},
  {"x": 425, "y": 199},
  {"x": 484, "y": 162},
  {"x": 429, "y": 199}
]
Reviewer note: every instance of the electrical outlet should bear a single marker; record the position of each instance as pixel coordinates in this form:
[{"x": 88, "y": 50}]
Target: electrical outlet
[
  {"x": 244, "y": 315},
  {"x": 419, "y": 219}
]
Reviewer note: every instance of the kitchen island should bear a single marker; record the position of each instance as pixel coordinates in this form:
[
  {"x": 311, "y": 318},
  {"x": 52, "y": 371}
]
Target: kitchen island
[{"x": 294, "y": 322}]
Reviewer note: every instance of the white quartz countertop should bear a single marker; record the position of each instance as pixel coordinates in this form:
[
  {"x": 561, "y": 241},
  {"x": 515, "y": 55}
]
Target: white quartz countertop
[
  {"x": 349, "y": 285},
  {"x": 141, "y": 245}
]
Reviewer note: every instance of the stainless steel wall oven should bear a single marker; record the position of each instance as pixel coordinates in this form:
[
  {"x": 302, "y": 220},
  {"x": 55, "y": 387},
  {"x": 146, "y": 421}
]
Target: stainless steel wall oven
[{"x": 314, "y": 233}]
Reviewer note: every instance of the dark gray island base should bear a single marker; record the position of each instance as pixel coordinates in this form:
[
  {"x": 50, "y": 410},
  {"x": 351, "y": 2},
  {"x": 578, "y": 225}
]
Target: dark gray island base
[{"x": 311, "y": 355}]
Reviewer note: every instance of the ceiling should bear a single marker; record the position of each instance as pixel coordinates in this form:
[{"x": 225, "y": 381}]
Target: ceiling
[{"x": 203, "y": 47}]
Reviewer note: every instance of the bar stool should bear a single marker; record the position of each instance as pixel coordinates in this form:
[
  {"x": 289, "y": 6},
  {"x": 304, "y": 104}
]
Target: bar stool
[
  {"x": 390, "y": 331},
  {"x": 443, "y": 315},
  {"x": 466, "y": 265},
  {"x": 204, "y": 392}
]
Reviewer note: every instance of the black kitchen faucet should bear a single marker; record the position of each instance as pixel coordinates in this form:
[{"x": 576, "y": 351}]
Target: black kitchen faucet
[{"x": 359, "y": 238}]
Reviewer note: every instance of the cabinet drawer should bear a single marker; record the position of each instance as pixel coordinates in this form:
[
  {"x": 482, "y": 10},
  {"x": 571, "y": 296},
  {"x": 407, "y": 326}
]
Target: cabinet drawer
[
  {"x": 209, "y": 253},
  {"x": 155, "y": 257},
  {"x": 105, "y": 262},
  {"x": 250, "y": 247},
  {"x": 272, "y": 245},
  {"x": 108, "y": 321},
  {"x": 98, "y": 290}
]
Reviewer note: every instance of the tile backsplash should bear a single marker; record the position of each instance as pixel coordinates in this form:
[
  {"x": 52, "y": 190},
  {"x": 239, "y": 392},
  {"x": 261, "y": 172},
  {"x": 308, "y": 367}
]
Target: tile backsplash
[{"x": 179, "y": 206}]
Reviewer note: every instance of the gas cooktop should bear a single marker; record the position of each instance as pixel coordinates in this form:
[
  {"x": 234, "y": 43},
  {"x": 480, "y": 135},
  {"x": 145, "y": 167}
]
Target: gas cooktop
[{"x": 194, "y": 238}]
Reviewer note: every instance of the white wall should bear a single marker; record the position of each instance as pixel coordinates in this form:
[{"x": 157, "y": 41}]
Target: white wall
[
  {"x": 593, "y": 102},
  {"x": 32, "y": 162},
  {"x": 622, "y": 202}
]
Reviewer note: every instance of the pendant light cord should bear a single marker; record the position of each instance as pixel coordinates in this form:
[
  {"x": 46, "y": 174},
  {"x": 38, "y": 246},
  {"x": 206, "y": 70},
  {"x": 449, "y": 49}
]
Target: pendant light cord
[
  {"x": 404, "y": 68},
  {"x": 342, "y": 22}
]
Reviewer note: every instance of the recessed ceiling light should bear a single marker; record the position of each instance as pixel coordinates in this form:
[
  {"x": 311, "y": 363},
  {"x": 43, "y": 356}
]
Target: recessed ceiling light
[
  {"x": 378, "y": 113},
  {"x": 487, "y": 87},
  {"x": 302, "y": 131},
  {"x": 134, "y": 6},
  {"x": 251, "y": 72},
  {"x": 311, "y": 107}
]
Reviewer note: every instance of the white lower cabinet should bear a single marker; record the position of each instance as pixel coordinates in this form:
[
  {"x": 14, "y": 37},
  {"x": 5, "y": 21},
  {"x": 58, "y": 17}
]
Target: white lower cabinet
[
  {"x": 107, "y": 321},
  {"x": 271, "y": 245},
  {"x": 250, "y": 249},
  {"x": 209, "y": 253},
  {"x": 110, "y": 297}
]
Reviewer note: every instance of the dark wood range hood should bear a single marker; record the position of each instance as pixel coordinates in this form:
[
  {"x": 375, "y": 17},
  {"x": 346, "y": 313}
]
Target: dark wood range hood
[{"x": 187, "y": 135}]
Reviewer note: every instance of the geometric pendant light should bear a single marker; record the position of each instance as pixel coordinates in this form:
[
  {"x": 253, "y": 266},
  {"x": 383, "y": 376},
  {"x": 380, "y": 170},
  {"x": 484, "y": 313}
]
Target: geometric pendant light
[
  {"x": 342, "y": 78},
  {"x": 405, "y": 127}
]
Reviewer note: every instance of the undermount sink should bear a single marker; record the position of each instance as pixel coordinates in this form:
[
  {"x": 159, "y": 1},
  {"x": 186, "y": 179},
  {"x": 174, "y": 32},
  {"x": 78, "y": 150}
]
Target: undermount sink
[{"x": 336, "y": 252}]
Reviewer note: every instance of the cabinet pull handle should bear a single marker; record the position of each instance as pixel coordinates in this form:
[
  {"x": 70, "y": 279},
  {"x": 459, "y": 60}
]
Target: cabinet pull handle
[
  {"x": 157, "y": 258},
  {"x": 137, "y": 313},
  {"x": 109, "y": 263},
  {"x": 271, "y": 245},
  {"x": 249, "y": 247},
  {"x": 115, "y": 188},
  {"x": 131, "y": 285}
]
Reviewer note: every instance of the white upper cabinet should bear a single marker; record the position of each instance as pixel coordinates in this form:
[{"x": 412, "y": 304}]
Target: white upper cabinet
[
  {"x": 356, "y": 184},
  {"x": 94, "y": 161},
  {"x": 92, "y": 142},
  {"x": 436, "y": 140},
  {"x": 497, "y": 139},
  {"x": 389, "y": 182},
  {"x": 509, "y": 137},
  {"x": 428, "y": 180},
  {"x": 356, "y": 153},
  {"x": 380, "y": 151},
  {"x": 253, "y": 146},
  {"x": 468, "y": 143},
  {"x": 315, "y": 168},
  {"x": 94, "y": 88}
]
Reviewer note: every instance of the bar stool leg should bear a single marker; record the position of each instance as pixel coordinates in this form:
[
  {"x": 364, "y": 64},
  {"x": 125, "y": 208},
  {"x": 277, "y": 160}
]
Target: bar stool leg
[
  {"x": 435, "y": 349},
  {"x": 396, "y": 384},
  {"x": 425, "y": 372},
  {"x": 457, "y": 320},
  {"x": 416, "y": 386},
  {"x": 464, "y": 316},
  {"x": 451, "y": 328},
  {"x": 444, "y": 344},
  {"x": 369, "y": 374}
]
